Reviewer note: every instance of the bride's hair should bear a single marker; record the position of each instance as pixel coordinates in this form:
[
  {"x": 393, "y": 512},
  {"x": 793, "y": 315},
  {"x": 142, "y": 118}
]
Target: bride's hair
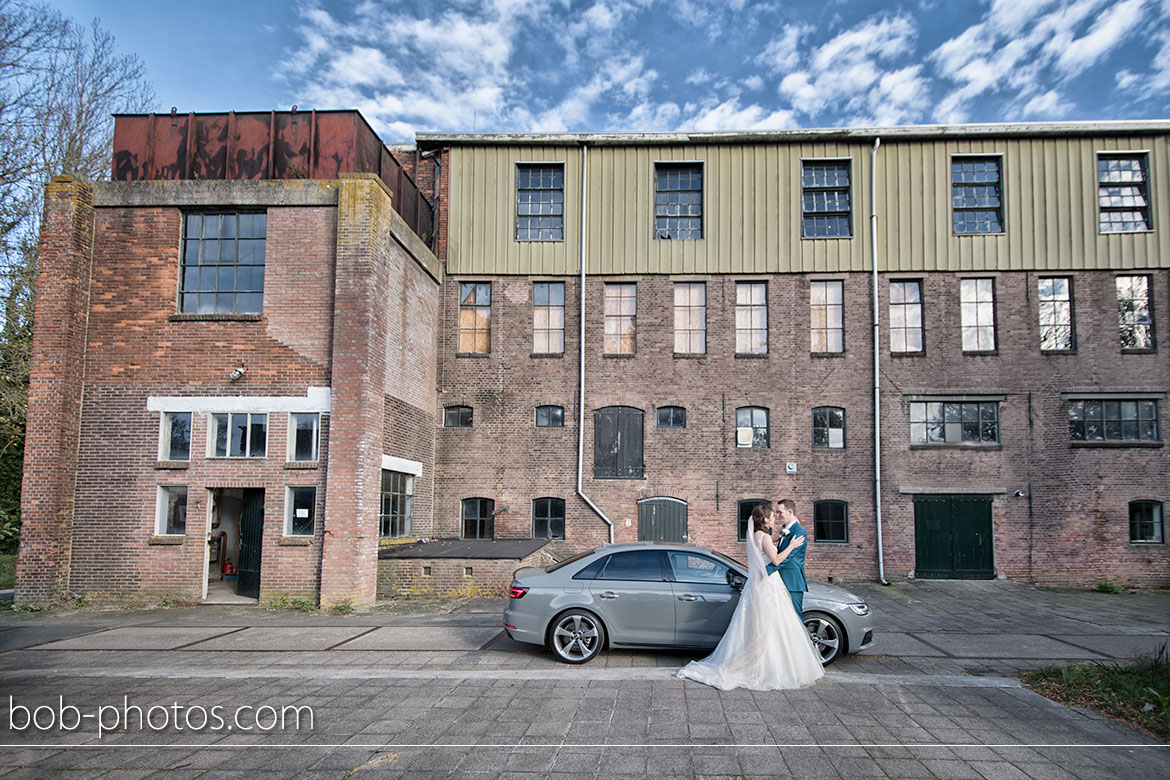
[{"x": 760, "y": 516}]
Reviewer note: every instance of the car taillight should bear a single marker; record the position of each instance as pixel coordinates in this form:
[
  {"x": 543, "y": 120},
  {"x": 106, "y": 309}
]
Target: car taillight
[{"x": 516, "y": 592}]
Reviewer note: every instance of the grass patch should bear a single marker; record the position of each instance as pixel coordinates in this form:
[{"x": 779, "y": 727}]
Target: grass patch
[
  {"x": 1108, "y": 587},
  {"x": 1135, "y": 694},
  {"x": 7, "y": 570}
]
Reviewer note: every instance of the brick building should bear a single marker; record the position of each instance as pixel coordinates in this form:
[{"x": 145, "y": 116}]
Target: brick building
[{"x": 404, "y": 385}]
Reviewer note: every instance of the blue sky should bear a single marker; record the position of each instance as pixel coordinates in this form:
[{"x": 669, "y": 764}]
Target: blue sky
[{"x": 653, "y": 65}]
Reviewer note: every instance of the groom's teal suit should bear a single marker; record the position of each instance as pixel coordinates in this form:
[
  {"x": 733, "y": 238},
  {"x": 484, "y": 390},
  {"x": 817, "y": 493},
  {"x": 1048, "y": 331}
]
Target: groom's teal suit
[{"x": 792, "y": 568}]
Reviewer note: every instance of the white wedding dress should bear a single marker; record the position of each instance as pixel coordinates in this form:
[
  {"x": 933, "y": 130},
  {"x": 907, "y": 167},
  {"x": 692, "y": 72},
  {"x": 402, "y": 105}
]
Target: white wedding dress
[{"x": 765, "y": 647}]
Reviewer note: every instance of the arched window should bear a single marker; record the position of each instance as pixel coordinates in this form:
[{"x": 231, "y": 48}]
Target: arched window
[
  {"x": 751, "y": 427},
  {"x": 831, "y": 521},
  {"x": 548, "y": 518},
  {"x": 745, "y": 515},
  {"x": 617, "y": 443},
  {"x": 457, "y": 417},
  {"x": 1145, "y": 523},
  {"x": 550, "y": 417},
  {"x": 828, "y": 428},
  {"x": 478, "y": 517}
]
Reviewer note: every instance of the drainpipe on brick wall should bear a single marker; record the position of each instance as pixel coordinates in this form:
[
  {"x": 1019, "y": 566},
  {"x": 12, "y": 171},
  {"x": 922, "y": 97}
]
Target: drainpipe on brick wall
[
  {"x": 877, "y": 399},
  {"x": 581, "y": 341}
]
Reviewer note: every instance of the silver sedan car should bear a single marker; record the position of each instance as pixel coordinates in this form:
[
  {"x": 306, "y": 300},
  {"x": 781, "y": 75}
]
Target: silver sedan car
[{"x": 651, "y": 594}]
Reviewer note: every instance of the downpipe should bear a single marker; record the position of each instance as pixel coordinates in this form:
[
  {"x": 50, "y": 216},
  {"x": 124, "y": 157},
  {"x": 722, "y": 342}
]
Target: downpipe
[{"x": 877, "y": 400}]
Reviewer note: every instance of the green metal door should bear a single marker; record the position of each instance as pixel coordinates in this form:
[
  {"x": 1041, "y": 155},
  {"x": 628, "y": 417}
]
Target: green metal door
[
  {"x": 952, "y": 537},
  {"x": 662, "y": 520}
]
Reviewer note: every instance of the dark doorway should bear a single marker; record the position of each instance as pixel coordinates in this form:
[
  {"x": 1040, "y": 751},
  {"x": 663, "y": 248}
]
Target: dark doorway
[
  {"x": 251, "y": 542},
  {"x": 662, "y": 520},
  {"x": 952, "y": 538}
]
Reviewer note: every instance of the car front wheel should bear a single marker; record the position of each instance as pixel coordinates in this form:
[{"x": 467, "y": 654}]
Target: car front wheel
[
  {"x": 576, "y": 637},
  {"x": 827, "y": 636}
]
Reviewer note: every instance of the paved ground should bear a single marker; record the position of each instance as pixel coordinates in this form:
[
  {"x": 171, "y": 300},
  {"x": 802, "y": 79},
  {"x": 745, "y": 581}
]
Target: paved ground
[{"x": 447, "y": 695}]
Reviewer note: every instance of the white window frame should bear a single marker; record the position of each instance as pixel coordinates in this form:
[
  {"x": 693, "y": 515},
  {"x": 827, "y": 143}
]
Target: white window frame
[
  {"x": 160, "y": 509},
  {"x": 291, "y": 438},
  {"x": 978, "y": 325},
  {"x": 288, "y": 510},
  {"x": 828, "y": 306},
  {"x": 164, "y": 436},
  {"x": 212, "y": 435}
]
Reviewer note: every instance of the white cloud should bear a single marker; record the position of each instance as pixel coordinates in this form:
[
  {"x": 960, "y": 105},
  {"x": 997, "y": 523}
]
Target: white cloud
[
  {"x": 1108, "y": 31},
  {"x": 728, "y": 116},
  {"x": 1050, "y": 105},
  {"x": 782, "y": 55},
  {"x": 700, "y": 76}
]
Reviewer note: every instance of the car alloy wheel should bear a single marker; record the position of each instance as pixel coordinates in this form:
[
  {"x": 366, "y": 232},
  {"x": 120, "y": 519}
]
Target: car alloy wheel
[
  {"x": 576, "y": 637},
  {"x": 826, "y": 635}
]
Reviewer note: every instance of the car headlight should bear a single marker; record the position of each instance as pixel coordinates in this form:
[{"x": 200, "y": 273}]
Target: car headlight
[{"x": 861, "y": 608}]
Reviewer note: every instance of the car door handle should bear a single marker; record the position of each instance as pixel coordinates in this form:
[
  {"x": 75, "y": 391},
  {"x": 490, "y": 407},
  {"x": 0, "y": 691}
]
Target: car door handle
[
  {"x": 609, "y": 594},
  {"x": 689, "y": 597}
]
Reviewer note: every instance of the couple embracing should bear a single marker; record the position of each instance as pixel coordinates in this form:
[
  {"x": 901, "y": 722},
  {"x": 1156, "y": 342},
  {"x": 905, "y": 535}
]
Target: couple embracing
[{"x": 766, "y": 647}]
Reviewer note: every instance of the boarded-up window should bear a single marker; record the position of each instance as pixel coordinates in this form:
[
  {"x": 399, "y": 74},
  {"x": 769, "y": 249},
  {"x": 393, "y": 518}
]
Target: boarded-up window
[{"x": 617, "y": 443}]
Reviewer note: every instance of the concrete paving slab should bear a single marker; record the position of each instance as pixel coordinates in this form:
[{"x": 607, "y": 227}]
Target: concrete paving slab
[
  {"x": 1117, "y": 646},
  {"x": 1005, "y": 646},
  {"x": 899, "y": 644},
  {"x": 282, "y": 638},
  {"x": 424, "y": 638},
  {"x": 138, "y": 638}
]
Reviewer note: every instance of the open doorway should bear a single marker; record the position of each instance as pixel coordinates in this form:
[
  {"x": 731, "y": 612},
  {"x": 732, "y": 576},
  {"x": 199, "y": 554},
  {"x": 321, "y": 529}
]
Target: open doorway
[{"x": 234, "y": 545}]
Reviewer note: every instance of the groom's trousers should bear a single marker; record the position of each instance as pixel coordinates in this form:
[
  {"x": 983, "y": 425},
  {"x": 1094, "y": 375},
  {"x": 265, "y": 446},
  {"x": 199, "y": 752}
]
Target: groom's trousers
[{"x": 798, "y": 602}]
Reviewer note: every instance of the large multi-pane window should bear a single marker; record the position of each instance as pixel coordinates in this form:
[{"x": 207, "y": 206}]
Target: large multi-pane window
[
  {"x": 548, "y": 518},
  {"x": 977, "y": 314},
  {"x": 826, "y": 210},
  {"x": 304, "y": 430},
  {"x": 1145, "y": 523},
  {"x": 397, "y": 505},
  {"x": 1123, "y": 193},
  {"x": 172, "y": 510},
  {"x": 1056, "y": 314},
  {"x": 751, "y": 318},
  {"x": 1118, "y": 419},
  {"x": 1133, "y": 312},
  {"x": 475, "y": 317},
  {"x": 478, "y": 516},
  {"x": 239, "y": 435},
  {"x": 540, "y": 202},
  {"x": 906, "y": 316},
  {"x": 827, "y": 316},
  {"x": 830, "y": 521},
  {"x": 751, "y": 427},
  {"x": 976, "y": 195},
  {"x": 223, "y": 264},
  {"x": 548, "y": 318},
  {"x": 954, "y": 422},
  {"x": 621, "y": 318},
  {"x": 828, "y": 428},
  {"x": 176, "y": 436},
  {"x": 678, "y": 200},
  {"x": 690, "y": 318}
]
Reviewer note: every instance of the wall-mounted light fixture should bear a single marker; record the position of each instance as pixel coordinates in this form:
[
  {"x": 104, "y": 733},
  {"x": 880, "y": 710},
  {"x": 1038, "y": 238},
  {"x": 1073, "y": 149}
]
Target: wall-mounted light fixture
[
  {"x": 237, "y": 373},
  {"x": 1020, "y": 494}
]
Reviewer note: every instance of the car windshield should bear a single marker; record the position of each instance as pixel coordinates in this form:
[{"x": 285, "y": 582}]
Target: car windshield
[{"x": 567, "y": 561}]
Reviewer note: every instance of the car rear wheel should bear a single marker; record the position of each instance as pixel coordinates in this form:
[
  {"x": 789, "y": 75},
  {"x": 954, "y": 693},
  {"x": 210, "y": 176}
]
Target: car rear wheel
[
  {"x": 576, "y": 636},
  {"x": 827, "y": 636}
]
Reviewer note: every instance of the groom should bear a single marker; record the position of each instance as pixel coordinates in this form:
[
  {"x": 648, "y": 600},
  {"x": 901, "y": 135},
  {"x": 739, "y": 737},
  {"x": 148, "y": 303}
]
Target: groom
[{"x": 792, "y": 568}]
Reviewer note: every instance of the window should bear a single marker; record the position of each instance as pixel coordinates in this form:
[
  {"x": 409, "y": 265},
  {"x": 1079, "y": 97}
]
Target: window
[
  {"x": 475, "y": 317},
  {"x": 976, "y": 196},
  {"x": 751, "y": 318},
  {"x": 175, "y": 441},
  {"x": 171, "y": 516},
  {"x": 239, "y": 435},
  {"x": 621, "y": 310},
  {"x": 690, "y": 318},
  {"x": 548, "y": 318},
  {"x": 1056, "y": 322},
  {"x": 827, "y": 209},
  {"x": 751, "y": 427},
  {"x": 397, "y": 505},
  {"x": 745, "y": 515},
  {"x": 302, "y": 511},
  {"x": 1113, "y": 420},
  {"x": 830, "y": 521},
  {"x": 977, "y": 314},
  {"x": 699, "y": 569},
  {"x": 617, "y": 443},
  {"x": 223, "y": 264},
  {"x": 550, "y": 417},
  {"x": 906, "y": 316},
  {"x": 548, "y": 518},
  {"x": 678, "y": 200},
  {"x": 1123, "y": 193},
  {"x": 1145, "y": 523},
  {"x": 457, "y": 417},
  {"x": 954, "y": 422},
  {"x": 478, "y": 518},
  {"x": 540, "y": 202},
  {"x": 672, "y": 417},
  {"x": 828, "y": 428},
  {"x": 304, "y": 433},
  {"x": 827, "y": 317},
  {"x": 634, "y": 566},
  {"x": 1133, "y": 312}
]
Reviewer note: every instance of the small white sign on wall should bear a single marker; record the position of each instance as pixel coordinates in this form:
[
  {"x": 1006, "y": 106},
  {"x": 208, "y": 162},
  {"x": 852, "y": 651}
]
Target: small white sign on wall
[{"x": 302, "y": 513}]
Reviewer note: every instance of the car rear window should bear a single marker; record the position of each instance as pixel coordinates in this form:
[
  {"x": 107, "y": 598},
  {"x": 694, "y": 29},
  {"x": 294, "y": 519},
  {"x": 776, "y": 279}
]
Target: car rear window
[{"x": 567, "y": 561}]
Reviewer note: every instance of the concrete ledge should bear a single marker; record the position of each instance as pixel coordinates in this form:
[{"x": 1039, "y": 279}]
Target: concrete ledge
[
  {"x": 167, "y": 540},
  {"x": 155, "y": 194}
]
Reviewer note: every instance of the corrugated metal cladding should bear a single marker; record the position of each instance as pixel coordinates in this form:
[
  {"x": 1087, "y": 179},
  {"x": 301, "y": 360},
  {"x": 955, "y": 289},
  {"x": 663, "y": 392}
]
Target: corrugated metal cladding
[{"x": 752, "y": 203}]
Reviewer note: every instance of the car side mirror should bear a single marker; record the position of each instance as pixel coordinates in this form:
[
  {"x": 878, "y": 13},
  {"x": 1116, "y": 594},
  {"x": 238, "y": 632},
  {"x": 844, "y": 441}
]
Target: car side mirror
[{"x": 735, "y": 579}]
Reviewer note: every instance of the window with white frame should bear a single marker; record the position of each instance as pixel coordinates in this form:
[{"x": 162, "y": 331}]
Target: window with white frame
[
  {"x": 475, "y": 318},
  {"x": 1123, "y": 193},
  {"x": 1133, "y": 312},
  {"x": 906, "y": 316},
  {"x": 304, "y": 435},
  {"x": 690, "y": 318},
  {"x": 977, "y": 314},
  {"x": 175, "y": 439},
  {"x": 827, "y": 316},
  {"x": 397, "y": 505},
  {"x": 621, "y": 318},
  {"x": 548, "y": 318},
  {"x": 751, "y": 427},
  {"x": 238, "y": 435},
  {"x": 751, "y": 318},
  {"x": 1056, "y": 314},
  {"x": 171, "y": 510},
  {"x": 301, "y": 513}
]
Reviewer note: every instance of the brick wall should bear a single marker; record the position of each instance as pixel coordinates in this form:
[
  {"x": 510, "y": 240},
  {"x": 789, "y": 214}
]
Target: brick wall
[{"x": 398, "y": 577}]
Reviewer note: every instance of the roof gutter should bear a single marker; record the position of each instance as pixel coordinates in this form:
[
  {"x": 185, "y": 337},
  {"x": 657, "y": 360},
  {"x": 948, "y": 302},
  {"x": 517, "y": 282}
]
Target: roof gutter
[
  {"x": 877, "y": 396},
  {"x": 581, "y": 343}
]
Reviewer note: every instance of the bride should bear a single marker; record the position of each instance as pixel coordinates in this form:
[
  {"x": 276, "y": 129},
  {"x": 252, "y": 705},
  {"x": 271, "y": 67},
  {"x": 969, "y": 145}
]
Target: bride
[{"x": 765, "y": 646}]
